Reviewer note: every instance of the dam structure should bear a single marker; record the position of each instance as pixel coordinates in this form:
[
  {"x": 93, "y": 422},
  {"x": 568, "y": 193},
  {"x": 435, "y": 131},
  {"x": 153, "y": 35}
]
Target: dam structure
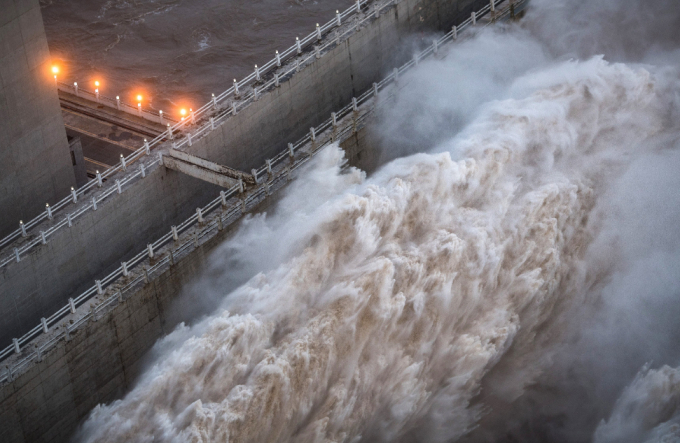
[{"x": 86, "y": 287}]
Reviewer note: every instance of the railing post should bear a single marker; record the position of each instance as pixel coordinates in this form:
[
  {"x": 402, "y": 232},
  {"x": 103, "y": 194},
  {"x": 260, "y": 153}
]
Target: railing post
[
  {"x": 118, "y": 102},
  {"x": 75, "y": 86},
  {"x": 269, "y": 166},
  {"x": 68, "y": 219},
  {"x": 291, "y": 152},
  {"x": 94, "y": 203},
  {"x": 317, "y": 52},
  {"x": 17, "y": 348},
  {"x": 16, "y": 255},
  {"x": 122, "y": 162},
  {"x": 99, "y": 178},
  {"x": 72, "y": 305},
  {"x": 334, "y": 118},
  {"x": 312, "y": 134},
  {"x": 74, "y": 195},
  {"x": 49, "y": 211},
  {"x": 278, "y": 59},
  {"x": 233, "y": 107},
  {"x": 276, "y": 79},
  {"x": 492, "y": 5},
  {"x": 256, "y": 92},
  {"x": 192, "y": 114},
  {"x": 298, "y": 46},
  {"x": 214, "y": 101},
  {"x": 23, "y": 228},
  {"x": 396, "y": 75},
  {"x": 358, "y": 6},
  {"x": 120, "y": 190},
  {"x": 147, "y": 148},
  {"x": 416, "y": 59},
  {"x": 149, "y": 247},
  {"x": 220, "y": 226},
  {"x": 170, "y": 132},
  {"x": 354, "y": 104},
  {"x": 160, "y": 116},
  {"x": 199, "y": 215},
  {"x": 454, "y": 31},
  {"x": 123, "y": 265},
  {"x": 223, "y": 196},
  {"x": 174, "y": 233},
  {"x": 189, "y": 138},
  {"x": 43, "y": 238},
  {"x": 96, "y": 93},
  {"x": 139, "y": 109},
  {"x": 375, "y": 90},
  {"x": 146, "y": 274},
  {"x": 240, "y": 185},
  {"x": 257, "y": 73},
  {"x": 142, "y": 170},
  {"x": 236, "y": 91},
  {"x": 318, "y": 32},
  {"x": 474, "y": 18},
  {"x": 43, "y": 322},
  {"x": 100, "y": 291},
  {"x": 212, "y": 123},
  {"x": 337, "y": 18},
  {"x": 434, "y": 46},
  {"x": 376, "y": 10},
  {"x": 254, "y": 174}
]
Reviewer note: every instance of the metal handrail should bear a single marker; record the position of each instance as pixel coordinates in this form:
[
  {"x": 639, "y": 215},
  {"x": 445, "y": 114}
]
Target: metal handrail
[{"x": 211, "y": 206}]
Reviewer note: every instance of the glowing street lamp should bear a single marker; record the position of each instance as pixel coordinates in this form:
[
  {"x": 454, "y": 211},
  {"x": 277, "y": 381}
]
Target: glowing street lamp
[{"x": 55, "y": 71}]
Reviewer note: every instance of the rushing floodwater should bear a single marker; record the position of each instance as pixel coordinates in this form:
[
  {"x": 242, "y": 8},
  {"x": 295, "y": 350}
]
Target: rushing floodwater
[
  {"x": 175, "y": 52},
  {"x": 513, "y": 276}
]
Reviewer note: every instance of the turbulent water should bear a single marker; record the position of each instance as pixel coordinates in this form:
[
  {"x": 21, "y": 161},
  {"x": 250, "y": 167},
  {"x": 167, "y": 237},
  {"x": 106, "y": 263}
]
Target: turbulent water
[
  {"x": 174, "y": 52},
  {"x": 513, "y": 276}
]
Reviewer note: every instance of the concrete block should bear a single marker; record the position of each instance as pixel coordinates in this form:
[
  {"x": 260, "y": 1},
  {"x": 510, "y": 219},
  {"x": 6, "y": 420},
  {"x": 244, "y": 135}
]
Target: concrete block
[
  {"x": 13, "y": 67},
  {"x": 9, "y": 11},
  {"x": 10, "y": 427},
  {"x": 31, "y": 24},
  {"x": 10, "y": 35}
]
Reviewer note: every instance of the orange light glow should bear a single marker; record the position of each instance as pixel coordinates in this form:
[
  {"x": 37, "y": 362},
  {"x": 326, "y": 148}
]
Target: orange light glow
[
  {"x": 96, "y": 83},
  {"x": 139, "y": 98},
  {"x": 55, "y": 69},
  {"x": 183, "y": 112}
]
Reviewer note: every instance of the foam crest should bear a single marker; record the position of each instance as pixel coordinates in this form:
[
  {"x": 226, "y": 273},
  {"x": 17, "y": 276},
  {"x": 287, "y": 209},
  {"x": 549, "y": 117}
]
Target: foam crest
[{"x": 412, "y": 298}]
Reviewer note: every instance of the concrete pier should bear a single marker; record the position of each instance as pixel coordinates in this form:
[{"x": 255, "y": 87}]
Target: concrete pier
[{"x": 36, "y": 166}]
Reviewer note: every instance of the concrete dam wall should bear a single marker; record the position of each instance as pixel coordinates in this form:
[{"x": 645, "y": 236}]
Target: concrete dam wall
[
  {"x": 99, "y": 362},
  {"x": 99, "y": 240}
]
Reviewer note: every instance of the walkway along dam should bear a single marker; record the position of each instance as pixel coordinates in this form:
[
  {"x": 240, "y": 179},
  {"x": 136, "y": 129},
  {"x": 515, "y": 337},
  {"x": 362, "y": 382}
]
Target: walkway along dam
[{"x": 85, "y": 287}]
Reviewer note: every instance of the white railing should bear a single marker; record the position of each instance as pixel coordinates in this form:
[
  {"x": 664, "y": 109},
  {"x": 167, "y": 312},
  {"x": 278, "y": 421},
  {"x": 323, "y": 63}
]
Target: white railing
[
  {"x": 116, "y": 103},
  {"x": 234, "y": 208}
]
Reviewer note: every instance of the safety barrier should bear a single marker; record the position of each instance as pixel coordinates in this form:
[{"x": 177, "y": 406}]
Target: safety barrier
[{"x": 234, "y": 207}]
